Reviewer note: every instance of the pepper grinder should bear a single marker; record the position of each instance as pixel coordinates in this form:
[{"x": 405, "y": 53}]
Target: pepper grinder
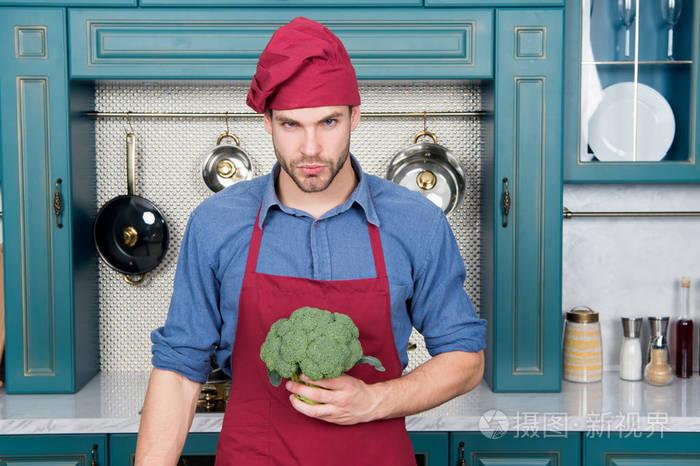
[{"x": 658, "y": 370}]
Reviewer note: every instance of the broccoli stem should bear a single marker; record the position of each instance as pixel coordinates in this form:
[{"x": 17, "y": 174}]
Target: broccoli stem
[{"x": 296, "y": 378}]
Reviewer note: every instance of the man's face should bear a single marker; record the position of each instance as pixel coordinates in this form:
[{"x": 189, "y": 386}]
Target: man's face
[{"x": 312, "y": 144}]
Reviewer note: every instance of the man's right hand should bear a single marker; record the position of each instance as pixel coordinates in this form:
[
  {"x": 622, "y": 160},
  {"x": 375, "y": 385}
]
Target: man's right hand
[{"x": 166, "y": 418}]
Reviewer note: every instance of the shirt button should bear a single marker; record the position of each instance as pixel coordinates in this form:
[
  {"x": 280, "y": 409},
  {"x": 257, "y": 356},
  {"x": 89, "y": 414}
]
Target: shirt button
[{"x": 317, "y": 223}]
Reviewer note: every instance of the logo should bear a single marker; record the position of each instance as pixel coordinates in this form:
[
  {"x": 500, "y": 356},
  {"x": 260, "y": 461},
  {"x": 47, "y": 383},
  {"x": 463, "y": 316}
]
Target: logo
[{"x": 493, "y": 424}]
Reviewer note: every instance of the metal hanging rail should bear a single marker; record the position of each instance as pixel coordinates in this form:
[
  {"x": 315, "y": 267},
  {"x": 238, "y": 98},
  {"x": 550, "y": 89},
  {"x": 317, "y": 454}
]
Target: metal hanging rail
[
  {"x": 567, "y": 214},
  {"x": 477, "y": 113}
]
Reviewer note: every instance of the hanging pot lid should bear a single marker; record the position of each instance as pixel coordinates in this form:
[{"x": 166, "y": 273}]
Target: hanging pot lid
[
  {"x": 226, "y": 164},
  {"x": 430, "y": 169}
]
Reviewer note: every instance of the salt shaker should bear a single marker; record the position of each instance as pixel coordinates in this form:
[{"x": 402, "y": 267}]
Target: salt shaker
[
  {"x": 631, "y": 349},
  {"x": 583, "y": 353}
]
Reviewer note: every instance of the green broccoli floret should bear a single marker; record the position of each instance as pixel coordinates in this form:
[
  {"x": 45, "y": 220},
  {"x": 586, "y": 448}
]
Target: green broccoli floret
[{"x": 319, "y": 344}]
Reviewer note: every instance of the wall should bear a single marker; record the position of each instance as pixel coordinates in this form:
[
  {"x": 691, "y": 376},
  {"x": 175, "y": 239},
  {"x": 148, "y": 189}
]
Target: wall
[
  {"x": 169, "y": 157},
  {"x": 631, "y": 266}
]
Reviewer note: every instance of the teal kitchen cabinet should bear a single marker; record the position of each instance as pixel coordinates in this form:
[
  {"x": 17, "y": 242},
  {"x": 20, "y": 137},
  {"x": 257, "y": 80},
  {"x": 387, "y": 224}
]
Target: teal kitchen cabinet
[
  {"x": 53, "y": 450},
  {"x": 631, "y": 107},
  {"x": 642, "y": 449},
  {"x": 50, "y": 285},
  {"x": 431, "y": 448},
  {"x": 225, "y": 44},
  {"x": 59, "y": 3},
  {"x": 521, "y": 205},
  {"x": 282, "y": 3},
  {"x": 475, "y": 449},
  {"x": 122, "y": 449},
  {"x": 493, "y": 3}
]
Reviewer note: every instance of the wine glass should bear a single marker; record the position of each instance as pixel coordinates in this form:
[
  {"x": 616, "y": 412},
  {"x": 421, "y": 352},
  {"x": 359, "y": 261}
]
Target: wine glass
[
  {"x": 670, "y": 12},
  {"x": 627, "y": 9}
]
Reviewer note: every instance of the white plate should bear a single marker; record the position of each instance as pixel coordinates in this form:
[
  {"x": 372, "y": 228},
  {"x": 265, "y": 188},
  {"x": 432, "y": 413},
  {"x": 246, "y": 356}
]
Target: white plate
[{"x": 610, "y": 129}]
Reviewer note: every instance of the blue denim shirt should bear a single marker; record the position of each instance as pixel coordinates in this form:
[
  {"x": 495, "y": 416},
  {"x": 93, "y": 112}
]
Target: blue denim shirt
[{"x": 424, "y": 266}]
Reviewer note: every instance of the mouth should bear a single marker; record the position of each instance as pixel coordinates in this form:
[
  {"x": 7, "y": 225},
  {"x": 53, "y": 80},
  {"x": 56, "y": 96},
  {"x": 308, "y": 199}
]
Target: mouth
[{"x": 311, "y": 169}]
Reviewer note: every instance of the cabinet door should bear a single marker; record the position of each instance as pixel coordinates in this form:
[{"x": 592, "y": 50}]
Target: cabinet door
[
  {"x": 431, "y": 449},
  {"x": 492, "y": 3},
  {"x": 642, "y": 449},
  {"x": 632, "y": 92},
  {"x": 283, "y": 3},
  {"x": 199, "y": 449},
  {"x": 44, "y": 324},
  {"x": 53, "y": 450},
  {"x": 521, "y": 237},
  {"x": 407, "y": 43},
  {"x": 562, "y": 449}
]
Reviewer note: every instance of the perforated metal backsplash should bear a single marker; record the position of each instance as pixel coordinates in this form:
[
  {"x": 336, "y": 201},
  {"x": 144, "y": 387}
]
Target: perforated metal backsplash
[{"x": 169, "y": 155}]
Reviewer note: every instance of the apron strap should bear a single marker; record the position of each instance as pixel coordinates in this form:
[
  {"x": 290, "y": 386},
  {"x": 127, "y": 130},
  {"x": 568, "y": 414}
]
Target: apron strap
[
  {"x": 254, "y": 247},
  {"x": 374, "y": 238}
]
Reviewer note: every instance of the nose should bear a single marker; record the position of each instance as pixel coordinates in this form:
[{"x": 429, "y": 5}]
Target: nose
[{"x": 311, "y": 144}]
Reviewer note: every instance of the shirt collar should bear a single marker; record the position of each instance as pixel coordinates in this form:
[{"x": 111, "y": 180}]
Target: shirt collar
[{"x": 360, "y": 195}]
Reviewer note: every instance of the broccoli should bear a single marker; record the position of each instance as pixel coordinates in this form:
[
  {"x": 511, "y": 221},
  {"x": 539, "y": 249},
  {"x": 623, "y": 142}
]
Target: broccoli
[{"x": 319, "y": 344}]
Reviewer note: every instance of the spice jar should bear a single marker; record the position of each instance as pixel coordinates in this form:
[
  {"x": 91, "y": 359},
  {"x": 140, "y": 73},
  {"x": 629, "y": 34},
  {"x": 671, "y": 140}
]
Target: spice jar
[{"x": 582, "y": 347}]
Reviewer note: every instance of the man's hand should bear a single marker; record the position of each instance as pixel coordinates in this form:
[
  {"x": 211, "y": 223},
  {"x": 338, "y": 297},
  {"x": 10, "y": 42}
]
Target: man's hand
[
  {"x": 346, "y": 400},
  {"x": 350, "y": 401}
]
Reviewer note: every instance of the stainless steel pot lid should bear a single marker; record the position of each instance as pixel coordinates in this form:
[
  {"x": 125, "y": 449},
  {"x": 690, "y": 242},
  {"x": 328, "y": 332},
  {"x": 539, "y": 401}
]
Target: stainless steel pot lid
[
  {"x": 226, "y": 164},
  {"x": 432, "y": 170}
]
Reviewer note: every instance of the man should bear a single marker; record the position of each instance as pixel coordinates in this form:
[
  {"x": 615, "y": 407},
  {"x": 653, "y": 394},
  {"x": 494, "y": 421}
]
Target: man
[{"x": 317, "y": 232}]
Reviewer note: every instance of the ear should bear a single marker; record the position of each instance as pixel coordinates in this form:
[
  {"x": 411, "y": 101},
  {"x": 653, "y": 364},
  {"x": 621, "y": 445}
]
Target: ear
[
  {"x": 354, "y": 117},
  {"x": 267, "y": 119}
]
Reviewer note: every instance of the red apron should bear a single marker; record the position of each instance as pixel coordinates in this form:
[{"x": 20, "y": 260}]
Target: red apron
[{"x": 260, "y": 425}]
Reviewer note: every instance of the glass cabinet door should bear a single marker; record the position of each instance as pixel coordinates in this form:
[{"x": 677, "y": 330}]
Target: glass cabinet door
[{"x": 636, "y": 73}]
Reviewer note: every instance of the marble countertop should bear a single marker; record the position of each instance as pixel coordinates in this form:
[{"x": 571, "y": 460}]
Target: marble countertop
[{"x": 110, "y": 403}]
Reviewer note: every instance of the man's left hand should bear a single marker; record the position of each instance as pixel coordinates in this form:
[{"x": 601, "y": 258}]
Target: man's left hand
[{"x": 346, "y": 399}]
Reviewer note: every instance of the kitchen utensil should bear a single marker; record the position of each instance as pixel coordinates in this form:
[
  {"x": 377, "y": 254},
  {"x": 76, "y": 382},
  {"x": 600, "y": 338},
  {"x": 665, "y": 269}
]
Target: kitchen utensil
[
  {"x": 611, "y": 127},
  {"x": 627, "y": 9},
  {"x": 582, "y": 348},
  {"x": 130, "y": 233},
  {"x": 631, "y": 349},
  {"x": 671, "y": 13},
  {"x": 658, "y": 370},
  {"x": 226, "y": 164},
  {"x": 430, "y": 169}
]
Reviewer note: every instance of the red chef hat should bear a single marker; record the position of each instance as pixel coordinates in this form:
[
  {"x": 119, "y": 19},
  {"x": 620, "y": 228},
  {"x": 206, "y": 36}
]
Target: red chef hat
[{"x": 303, "y": 65}]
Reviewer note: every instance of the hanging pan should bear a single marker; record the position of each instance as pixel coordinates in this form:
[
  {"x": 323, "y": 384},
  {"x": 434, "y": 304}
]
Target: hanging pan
[
  {"x": 430, "y": 169},
  {"x": 226, "y": 164},
  {"x": 130, "y": 233}
]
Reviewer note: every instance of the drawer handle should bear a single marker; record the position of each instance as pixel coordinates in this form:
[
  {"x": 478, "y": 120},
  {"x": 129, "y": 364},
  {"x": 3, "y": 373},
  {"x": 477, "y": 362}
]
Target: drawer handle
[
  {"x": 92, "y": 455},
  {"x": 507, "y": 203},
  {"x": 58, "y": 204},
  {"x": 462, "y": 461}
]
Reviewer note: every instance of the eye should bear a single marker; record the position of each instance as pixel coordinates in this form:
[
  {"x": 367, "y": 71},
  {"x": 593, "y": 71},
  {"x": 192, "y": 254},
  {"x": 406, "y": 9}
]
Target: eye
[
  {"x": 289, "y": 124},
  {"x": 330, "y": 122}
]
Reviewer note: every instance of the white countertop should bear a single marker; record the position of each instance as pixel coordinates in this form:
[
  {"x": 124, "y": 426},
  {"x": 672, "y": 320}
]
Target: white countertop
[{"x": 110, "y": 403}]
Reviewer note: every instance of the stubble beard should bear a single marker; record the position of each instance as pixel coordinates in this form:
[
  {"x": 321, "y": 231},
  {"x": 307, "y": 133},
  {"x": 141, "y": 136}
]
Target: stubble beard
[{"x": 312, "y": 183}]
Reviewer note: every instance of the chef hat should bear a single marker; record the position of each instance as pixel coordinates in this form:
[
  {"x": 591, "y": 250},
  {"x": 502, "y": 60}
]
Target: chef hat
[{"x": 303, "y": 65}]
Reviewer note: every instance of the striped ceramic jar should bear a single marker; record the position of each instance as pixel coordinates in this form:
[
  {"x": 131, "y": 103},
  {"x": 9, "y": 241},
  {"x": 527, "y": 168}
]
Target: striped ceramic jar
[{"x": 582, "y": 347}]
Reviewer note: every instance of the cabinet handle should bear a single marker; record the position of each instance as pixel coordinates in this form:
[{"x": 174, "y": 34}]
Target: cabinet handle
[
  {"x": 92, "y": 455},
  {"x": 506, "y": 202},
  {"x": 462, "y": 461},
  {"x": 58, "y": 204}
]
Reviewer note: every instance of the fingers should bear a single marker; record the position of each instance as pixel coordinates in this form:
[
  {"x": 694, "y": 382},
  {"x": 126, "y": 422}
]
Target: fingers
[{"x": 319, "y": 395}]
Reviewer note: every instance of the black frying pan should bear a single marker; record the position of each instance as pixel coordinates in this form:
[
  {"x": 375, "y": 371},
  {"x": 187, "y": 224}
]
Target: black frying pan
[{"x": 130, "y": 233}]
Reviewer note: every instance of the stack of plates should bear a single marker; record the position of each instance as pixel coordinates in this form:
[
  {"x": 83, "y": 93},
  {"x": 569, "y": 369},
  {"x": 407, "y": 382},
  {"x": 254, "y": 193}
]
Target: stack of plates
[{"x": 611, "y": 127}]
